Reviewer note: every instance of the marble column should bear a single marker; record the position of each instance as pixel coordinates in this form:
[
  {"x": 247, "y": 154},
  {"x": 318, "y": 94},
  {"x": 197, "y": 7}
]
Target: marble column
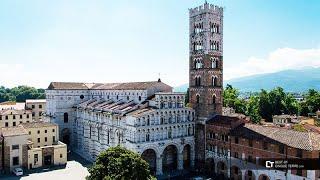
[
  {"x": 159, "y": 166},
  {"x": 180, "y": 161}
]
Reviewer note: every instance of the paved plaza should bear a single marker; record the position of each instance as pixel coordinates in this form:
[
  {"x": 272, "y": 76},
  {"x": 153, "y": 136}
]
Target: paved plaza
[{"x": 76, "y": 169}]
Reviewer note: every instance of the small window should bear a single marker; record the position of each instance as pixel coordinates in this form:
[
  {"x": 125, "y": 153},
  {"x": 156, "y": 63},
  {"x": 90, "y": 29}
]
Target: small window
[
  {"x": 38, "y": 140},
  {"x": 0, "y": 117},
  {"x": 45, "y": 139},
  {"x": 53, "y": 130},
  {"x": 299, "y": 153},
  {"x": 14, "y": 124},
  {"x": 198, "y": 99},
  {"x": 45, "y": 131},
  {"x": 236, "y": 140},
  {"x": 236, "y": 155},
  {"x": 14, "y": 117},
  {"x": 15, "y": 161},
  {"x": 281, "y": 149},
  {"x": 250, "y": 143},
  {"x": 265, "y": 145},
  {"x": 81, "y": 96},
  {"x": 6, "y": 117},
  {"x": 65, "y": 117},
  {"x": 20, "y": 116},
  {"x": 139, "y": 98},
  {"x": 33, "y": 106},
  {"x": 27, "y": 116},
  {"x": 40, "y": 106},
  {"x": 15, "y": 147},
  {"x": 299, "y": 172},
  {"x": 29, "y": 132},
  {"x": 6, "y": 124},
  {"x": 53, "y": 139},
  {"x": 33, "y": 114},
  {"x": 38, "y": 131},
  {"x": 61, "y": 156}
]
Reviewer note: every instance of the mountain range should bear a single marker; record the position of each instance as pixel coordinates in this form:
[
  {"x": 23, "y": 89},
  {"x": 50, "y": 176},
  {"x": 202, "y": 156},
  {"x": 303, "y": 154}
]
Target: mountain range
[{"x": 294, "y": 80}]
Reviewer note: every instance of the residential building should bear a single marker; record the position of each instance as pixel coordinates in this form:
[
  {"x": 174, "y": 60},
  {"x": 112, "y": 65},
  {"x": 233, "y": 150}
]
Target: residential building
[
  {"x": 238, "y": 150},
  {"x": 37, "y": 106},
  {"x": 14, "y": 117},
  {"x": 286, "y": 119},
  {"x": 42, "y": 133},
  {"x": 21, "y": 146}
]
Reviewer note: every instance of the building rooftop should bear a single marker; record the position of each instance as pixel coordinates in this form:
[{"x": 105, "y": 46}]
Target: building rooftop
[
  {"x": 302, "y": 140},
  {"x": 12, "y": 105},
  {"x": 106, "y": 86},
  {"x": 13, "y": 131},
  {"x": 14, "y": 112},
  {"x": 35, "y": 101},
  {"x": 37, "y": 124}
]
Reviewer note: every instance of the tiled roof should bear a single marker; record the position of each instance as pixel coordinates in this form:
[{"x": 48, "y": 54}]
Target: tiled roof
[
  {"x": 35, "y": 101},
  {"x": 67, "y": 85},
  {"x": 302, "y": 140},
  {"x": 13, "y": 131},
  {"x": 107, "y": 86},
  {"x": 12, "y": 105},
  {"x": 14, "y": 112},
  {"x": 37, "y": 124}
]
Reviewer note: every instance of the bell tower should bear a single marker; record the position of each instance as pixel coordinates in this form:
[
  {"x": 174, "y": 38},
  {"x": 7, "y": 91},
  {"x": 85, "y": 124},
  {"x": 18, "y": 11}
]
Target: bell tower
[{"x": 205, "y": 68}]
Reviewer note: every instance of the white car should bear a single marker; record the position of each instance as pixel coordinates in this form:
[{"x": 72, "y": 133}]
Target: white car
[{"x": 18, "y": 171}]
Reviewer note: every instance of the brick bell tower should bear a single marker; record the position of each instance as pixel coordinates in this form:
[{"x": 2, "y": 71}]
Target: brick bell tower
[{"x": 205, "y": 69}]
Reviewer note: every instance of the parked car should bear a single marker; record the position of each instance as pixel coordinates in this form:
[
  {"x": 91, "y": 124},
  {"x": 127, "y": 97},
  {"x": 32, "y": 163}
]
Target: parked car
[{"x": 18, "y": 171}]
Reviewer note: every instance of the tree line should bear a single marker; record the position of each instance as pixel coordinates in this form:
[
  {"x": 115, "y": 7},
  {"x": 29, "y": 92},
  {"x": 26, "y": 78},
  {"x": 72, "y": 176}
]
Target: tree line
[
  {"x": 20, "y": 93},
  {"x": 265, "y": 104}
]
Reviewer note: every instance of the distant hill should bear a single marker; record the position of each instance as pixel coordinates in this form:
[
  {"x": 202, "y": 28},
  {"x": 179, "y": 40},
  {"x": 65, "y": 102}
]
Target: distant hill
[{"x": 291, "y": 80}]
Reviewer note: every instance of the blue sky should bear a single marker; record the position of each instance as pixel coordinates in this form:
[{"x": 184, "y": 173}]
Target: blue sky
[{"x": 124, "y": 40}]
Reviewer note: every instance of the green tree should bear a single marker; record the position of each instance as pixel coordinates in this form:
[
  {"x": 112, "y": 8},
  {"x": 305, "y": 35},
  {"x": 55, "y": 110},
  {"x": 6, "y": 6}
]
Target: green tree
[
  {"x": 118, "y": 163},
  {"x": 230, "y": 95},
  {"x": 253, "y": 109}
]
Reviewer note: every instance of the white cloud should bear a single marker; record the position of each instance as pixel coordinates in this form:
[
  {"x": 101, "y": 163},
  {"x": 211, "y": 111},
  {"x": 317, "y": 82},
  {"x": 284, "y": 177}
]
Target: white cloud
[{"x": 280, "y": 59}]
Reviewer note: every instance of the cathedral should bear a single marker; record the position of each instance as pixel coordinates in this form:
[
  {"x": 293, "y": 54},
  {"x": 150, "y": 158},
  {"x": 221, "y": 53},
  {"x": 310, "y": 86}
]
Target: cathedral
[{"x": 148, "y": 117}]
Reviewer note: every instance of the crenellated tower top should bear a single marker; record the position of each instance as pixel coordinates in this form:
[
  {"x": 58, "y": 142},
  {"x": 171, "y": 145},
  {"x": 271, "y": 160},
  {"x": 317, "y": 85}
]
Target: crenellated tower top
[{"x": 206, "y": 8}]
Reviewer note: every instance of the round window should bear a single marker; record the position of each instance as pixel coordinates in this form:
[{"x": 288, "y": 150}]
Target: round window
[{"x": 81, "y": 96}]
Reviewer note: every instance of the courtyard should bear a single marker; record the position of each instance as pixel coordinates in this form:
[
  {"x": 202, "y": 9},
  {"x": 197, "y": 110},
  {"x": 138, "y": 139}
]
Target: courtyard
[{"x": 75, "y": 169}]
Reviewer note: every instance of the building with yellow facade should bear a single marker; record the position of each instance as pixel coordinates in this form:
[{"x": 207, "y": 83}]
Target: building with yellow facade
[
  {"x": 31, "y": 145},
  {"x": 14, "y": 117},
  {"x": 37, "y": 106}
]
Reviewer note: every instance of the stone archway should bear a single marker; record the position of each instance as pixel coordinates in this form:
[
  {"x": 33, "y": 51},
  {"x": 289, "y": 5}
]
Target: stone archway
[
  {"x": 170, "y": 159},
  {"x": 150, "y": 156},
  {"x": 210, "y": 167},
  {"x": 250, "y": 175},
  {"x": 186, "y": 156},
  {"x": 66, "y": 136},
  {"x": 235, "y": 173},
  {"x": 222, "y": 169},
  {"x": 263, "y": 177}
]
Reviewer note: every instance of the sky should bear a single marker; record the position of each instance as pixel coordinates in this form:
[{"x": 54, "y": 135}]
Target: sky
[{"x": 122, "y": 41}]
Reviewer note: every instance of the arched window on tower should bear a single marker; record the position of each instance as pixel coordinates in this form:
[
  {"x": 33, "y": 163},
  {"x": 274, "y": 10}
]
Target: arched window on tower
[
  {"x": 198, "y": 99},
  {"x": 214, "y": 63},
  {"x": 214, "y": 99},
  {"x": 65, "y": 117},
  {"x": 214, "y": 81}
]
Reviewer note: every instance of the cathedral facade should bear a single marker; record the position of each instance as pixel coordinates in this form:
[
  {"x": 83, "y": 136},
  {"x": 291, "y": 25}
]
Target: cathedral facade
[{"x": 145, "y": 117}]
